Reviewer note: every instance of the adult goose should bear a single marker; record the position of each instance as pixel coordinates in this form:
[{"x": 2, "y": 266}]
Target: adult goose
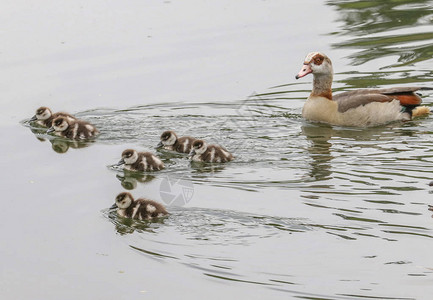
[{"x": 361, "y": 108}]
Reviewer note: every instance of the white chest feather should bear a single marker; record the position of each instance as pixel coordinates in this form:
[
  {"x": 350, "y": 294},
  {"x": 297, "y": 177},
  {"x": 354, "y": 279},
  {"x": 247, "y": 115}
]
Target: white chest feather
[{"x": 320, "y": 109}]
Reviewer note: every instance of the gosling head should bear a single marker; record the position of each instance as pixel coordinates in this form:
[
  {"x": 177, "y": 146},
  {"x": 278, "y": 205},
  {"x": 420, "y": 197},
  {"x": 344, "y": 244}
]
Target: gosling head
[
  {"x": 123, "y": 201},
  {"x": 168, "y": 138},
  {"x": 129, "y": 156},
  {"x": 59, "y": 124},
  {"x": 198, "y": 147},
  {"x": 42, "y": 113}
]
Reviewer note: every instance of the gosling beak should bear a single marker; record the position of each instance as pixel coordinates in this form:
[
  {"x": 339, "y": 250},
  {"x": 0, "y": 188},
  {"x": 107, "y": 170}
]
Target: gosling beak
[
  {"x": 51, "y": 129},
  {"x": 121, "y": 162},
  {"x": 160, "y": 144},
  {"x": 114, "y": 206},
  {"x": 34, "y": 118},
  {"x": 306, "y": 69},
  {"x": 191, "y": 153}
]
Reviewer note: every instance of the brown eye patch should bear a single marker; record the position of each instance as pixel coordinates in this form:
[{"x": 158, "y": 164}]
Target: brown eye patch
[
  {"x": 318, "y": 60},
  {"x": 58, "y": 122},
  {"x": 40, "y": 111}
]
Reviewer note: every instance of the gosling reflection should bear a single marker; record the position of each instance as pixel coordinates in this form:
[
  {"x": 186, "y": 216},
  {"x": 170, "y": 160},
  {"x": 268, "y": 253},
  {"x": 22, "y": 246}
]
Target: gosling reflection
[
  {"x": 58, "y": 144},
  {"x": 203, "y": 167},
  {"x": 61, "y": 145},
  {"x": 129, "y": 180},
  {"x": 125, "y": 226}
]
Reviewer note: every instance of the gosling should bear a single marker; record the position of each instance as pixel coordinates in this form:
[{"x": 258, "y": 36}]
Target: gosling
[
  {"x": 44, "y": 116},
  {"x": 202, "y": 152},
  {"x": 73, "y": 129},
  {"x": 140, "y": 209},
  {"x": 140, "y": 161},
  {"x": 170, "y": 141}
]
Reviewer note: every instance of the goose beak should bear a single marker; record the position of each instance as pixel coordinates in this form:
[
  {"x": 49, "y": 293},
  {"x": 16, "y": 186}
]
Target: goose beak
[
  {"x": 160, "y": 144},
  {"x": 121, "y": 162},
  {"x": 114, "y": 206},
  {"x": 306, "y": 69},
  {"x": 51, "y": 129},
  {"x": 34, "y": 118}
]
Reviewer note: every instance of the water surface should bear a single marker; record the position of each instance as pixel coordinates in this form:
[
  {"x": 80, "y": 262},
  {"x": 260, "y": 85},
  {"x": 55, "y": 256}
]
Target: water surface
[{"x": 305, "y": 210}]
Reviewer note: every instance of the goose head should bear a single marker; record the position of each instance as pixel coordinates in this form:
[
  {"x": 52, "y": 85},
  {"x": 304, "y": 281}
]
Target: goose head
[{"x": 316, "y": 63}]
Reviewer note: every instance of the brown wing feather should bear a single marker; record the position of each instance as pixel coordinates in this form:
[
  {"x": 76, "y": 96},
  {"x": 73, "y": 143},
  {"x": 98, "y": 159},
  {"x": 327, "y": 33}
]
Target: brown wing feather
[
  {"x": 353, "y": 99},
  {"x": 346, "y": 103}
]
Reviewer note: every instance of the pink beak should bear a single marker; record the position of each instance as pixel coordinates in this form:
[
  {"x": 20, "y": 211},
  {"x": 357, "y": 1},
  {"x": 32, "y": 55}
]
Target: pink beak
[{"x": 306, "y": 69}]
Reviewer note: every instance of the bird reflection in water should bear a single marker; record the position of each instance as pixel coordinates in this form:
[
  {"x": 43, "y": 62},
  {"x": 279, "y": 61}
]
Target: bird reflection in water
[
  {"x": 125, "y": 226},
  {"x": 319, "y": 150},
  {"x": 203, "y": 167},
  {"x": 58, "y": 144},
  {"x": 129, "y": 180}
]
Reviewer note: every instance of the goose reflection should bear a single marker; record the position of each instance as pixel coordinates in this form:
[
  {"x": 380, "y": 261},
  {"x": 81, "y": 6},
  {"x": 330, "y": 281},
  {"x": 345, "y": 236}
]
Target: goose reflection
[
  {"x": 319, "y": 150},
  {"x": 326, "y": 143}
]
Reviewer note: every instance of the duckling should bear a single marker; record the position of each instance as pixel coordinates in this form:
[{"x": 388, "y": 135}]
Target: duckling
[
  {"x": 203, "y": 152},
  {"x": 141, "y": 209},
  {"x": 140, "y": 161},
  {"x": 170, "y": 141},
  {"x": 44, "y": 116},
  {"x": 73, "y": 129}
]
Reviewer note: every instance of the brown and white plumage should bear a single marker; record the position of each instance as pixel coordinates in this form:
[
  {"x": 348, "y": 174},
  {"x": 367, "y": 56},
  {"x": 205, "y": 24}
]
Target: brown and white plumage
[
  {"x": 140, "y": 209},
  {"x": 140, "y": 161},
  {"x": 202, "y": 152},
  {"x": 73, "y": 129},
  {"x": 170, "y": 141},
  {"x": 44, "y": 116},
  {"x": 366, "y": 107}
]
